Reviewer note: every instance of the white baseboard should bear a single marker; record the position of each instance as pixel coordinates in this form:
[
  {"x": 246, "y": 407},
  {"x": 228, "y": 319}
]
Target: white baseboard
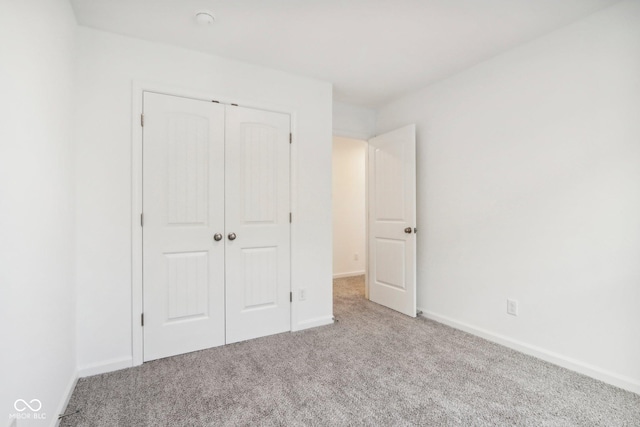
[
  {"x": 546, "y": 355},
  {"x": 104, "y": 367},
  {"x": 312, "y": 323},
  {"x": 67, "y": 396},
  {"x": 348, "y": 274}
]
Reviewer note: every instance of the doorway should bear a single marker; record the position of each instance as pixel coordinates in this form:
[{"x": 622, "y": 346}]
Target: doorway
[
  {"x": 374, "y": 214},
  {"x": 349, "y": 207}
]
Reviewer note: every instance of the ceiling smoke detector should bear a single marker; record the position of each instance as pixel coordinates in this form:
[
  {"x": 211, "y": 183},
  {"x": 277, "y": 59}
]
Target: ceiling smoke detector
[{"x": 204, "y": 18}]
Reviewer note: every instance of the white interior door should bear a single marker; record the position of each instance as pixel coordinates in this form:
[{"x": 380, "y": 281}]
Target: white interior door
[
  {"x": 392, "y": 220},
  {"x": 257, "y": 223},
  {"x": 183, "y": 204}
]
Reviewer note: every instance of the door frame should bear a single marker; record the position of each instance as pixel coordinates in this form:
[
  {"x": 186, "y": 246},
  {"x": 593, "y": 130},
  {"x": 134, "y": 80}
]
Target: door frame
[
  {"x": 364, "y": 138},
  {"x": 137, "y": 90},
  {"x": 361, "y": 137}
]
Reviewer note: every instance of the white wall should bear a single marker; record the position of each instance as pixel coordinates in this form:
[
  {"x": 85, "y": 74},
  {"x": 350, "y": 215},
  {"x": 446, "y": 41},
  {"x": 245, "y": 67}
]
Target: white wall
[
  {"x": 351, "y": 121},
  {"x": 349, "y": 215},
  {"x": 37, "y": 294},
  {"x": 529, "y": 188},
  {"x": 108, "y": 64}
]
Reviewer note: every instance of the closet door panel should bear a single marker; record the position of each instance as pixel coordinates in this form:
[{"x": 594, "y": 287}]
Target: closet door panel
[
  {"x": 257, "y": 215},
  {"x": 183, "y": 204}
]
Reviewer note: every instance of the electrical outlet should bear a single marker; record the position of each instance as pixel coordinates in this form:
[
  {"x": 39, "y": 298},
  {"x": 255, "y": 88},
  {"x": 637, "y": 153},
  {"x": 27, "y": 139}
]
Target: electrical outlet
[
  {"x": 355, "y": 257},
  {"x": 512, "y": 307},
  {"x": 303, "y": 294}
]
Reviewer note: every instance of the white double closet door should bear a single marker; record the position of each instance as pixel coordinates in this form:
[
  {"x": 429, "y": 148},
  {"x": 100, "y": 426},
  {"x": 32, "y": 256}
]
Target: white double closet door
[{"x": 216, "y": 234}]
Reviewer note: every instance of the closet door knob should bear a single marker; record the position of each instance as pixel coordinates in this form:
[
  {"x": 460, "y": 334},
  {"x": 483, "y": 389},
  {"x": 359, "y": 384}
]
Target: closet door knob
[
  {"x": 408, "y": 230},
  {"x": 217, "y": 237},
  {"x": 232, "y": 236}
]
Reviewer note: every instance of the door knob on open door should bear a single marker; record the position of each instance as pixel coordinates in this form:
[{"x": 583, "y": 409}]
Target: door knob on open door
[
  {"x": 408, "y": 230},
  {"x": 232, "y": 236},
  {"x": 217, "y": 237}
]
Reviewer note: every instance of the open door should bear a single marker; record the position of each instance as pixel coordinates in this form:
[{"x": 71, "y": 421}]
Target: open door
[{"x": 392, "y": 220}]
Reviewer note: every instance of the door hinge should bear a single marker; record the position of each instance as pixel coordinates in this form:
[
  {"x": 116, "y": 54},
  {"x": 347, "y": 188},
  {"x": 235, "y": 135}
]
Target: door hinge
[
  {"x": 141, "y": 220},
  {"x": 290, "y": 217},
  {"x": 142, "y": 120},
  {"x": 290, "y": 296},
  {"x": 142, "y": 319},
  {"x": 290, "y": 138}
]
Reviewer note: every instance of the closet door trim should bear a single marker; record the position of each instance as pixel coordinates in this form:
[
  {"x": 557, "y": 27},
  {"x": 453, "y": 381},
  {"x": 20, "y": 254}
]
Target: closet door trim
[{"x": 138, "y": 89}]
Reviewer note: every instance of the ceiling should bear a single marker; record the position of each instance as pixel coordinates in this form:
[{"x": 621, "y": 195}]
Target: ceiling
[{"x": 371, "y": 50}]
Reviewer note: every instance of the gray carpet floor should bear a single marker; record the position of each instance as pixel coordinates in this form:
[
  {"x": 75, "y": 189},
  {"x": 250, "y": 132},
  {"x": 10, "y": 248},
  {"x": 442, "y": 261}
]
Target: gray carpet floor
[{"x": 373, "y": 367}]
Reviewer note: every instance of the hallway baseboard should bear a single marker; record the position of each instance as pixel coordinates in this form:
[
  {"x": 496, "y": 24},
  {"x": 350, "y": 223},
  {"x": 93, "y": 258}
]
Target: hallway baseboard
[{"x": 348, "y": 274}]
